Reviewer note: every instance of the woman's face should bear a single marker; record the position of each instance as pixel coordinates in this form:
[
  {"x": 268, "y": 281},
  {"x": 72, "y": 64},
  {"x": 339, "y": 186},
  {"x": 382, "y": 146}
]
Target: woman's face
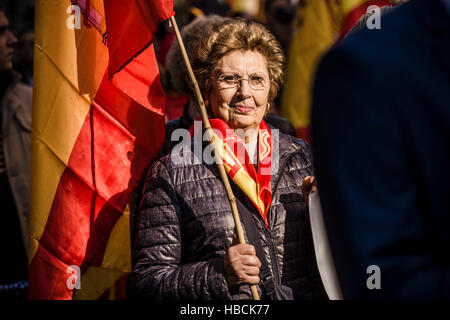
[{"x": 244, "y": 104}]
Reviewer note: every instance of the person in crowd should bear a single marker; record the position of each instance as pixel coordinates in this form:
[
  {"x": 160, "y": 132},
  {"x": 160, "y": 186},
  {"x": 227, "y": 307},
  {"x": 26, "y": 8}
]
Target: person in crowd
[
  {"x": 25, "y": 49},
  {"x": 279, "y": 18},
  {"x": 381, "y": 145},
  {"x": 280, "y": 15},
  {"x": 185, "y": 243},
  {"x": 192, "y": 36},
  {"x": 15, "y": 121}
]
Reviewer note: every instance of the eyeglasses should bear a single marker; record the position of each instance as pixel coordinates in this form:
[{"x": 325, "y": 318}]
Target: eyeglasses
[{"x": 228, "y": 81}]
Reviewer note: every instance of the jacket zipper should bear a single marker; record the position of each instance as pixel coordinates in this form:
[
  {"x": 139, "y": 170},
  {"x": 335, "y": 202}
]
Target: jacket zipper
[
  {"x": 273, "y": 256},
  {"x": 269, "y": 241}
]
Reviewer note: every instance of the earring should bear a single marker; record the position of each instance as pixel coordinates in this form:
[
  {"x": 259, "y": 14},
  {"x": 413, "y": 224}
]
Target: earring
[{"x": 267, "y": 109}]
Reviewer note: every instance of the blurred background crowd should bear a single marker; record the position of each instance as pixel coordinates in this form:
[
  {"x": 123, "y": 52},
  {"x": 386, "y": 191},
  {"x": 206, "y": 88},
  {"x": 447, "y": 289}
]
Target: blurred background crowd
[{"x": 21, "y": 22}]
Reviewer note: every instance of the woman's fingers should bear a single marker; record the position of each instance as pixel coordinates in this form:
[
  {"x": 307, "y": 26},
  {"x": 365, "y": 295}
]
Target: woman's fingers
[
  {"x": 247, "y": 260},
  {"x": 251, "y": 271},
  {"x": 246, "y": 249},
  {"x": 244, "y": 254},
  {"x": 309, "y": 185},
  {"x": 313, "y": 184},
  {"x": 252, "y": 280},
  {"x": 249, "y": 276},
  {"x": 308, "y": 182},
  {"x": 241, "y": 265}
]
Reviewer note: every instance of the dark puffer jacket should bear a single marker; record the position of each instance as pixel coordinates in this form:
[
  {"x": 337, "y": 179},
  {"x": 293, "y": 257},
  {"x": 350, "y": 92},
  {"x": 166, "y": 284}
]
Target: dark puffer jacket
[{"x": 185, "y": 225}]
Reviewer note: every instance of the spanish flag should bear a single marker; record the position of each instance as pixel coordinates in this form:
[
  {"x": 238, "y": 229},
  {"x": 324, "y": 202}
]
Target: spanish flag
[
  {"x": 98, "y": 121},
  {"x": 320, "y": 24}
]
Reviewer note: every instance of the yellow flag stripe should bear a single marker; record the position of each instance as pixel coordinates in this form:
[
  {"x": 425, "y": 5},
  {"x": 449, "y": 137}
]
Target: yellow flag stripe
[
  {"x": 46, "y": 170},
  {"x": 316, "y": 33}
]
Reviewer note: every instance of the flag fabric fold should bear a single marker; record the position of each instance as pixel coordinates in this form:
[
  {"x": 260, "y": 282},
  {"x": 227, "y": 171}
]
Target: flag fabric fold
[
  {"x": 98, "y": 121},
  {"x": 135, "y": 20}
]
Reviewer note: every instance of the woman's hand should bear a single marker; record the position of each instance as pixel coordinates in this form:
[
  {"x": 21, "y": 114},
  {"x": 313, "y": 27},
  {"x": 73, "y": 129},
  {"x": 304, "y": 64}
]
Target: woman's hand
[
  {"x": 309, "y": 186},
  {"x": 241, "y": 265}
]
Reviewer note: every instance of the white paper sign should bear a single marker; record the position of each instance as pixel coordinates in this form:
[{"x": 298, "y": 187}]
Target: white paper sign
[{"x": 324, "y": 258}]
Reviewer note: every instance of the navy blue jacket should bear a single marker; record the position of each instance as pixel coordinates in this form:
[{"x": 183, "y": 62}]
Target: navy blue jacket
[{"x": 381, "y": 147}]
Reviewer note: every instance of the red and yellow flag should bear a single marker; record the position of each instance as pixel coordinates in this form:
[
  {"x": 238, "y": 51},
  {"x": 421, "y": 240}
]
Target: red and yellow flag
[
  {"x": 236, "y": 160},
  {"x": 98, "y": 120},
  {"x": 320, "y": 23}
]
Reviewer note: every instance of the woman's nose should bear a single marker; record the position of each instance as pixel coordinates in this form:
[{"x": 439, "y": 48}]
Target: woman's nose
[{"x": 244, "y": 88}]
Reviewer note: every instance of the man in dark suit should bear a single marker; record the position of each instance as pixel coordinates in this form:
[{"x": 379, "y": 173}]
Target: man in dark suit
[{"x": 381, "y": 144}]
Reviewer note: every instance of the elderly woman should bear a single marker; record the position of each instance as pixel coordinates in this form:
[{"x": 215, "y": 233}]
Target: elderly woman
[
  {"x": 185, "y": 245},
  {"x": 192, "y": 35}
]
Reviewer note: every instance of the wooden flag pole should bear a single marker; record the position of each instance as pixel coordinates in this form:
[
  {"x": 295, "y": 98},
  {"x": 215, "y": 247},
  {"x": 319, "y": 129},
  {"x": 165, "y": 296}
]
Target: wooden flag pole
[{"x": 210, "y": 137}]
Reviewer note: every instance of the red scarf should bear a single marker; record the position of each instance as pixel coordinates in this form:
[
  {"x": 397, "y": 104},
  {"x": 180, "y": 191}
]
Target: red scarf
[{"x": 256, "y": 185}]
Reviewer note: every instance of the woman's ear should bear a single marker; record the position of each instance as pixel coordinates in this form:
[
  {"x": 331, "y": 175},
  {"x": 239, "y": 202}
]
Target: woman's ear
[{"x": 208, "y": 106}]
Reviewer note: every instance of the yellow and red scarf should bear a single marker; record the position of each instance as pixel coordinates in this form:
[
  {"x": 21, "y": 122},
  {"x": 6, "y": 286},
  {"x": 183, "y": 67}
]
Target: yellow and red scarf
[{"x": 256, "y": 185}]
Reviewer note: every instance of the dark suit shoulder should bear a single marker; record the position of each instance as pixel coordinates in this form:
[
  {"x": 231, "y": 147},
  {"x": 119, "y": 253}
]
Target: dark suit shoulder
[{"x": 399, "y": 31}]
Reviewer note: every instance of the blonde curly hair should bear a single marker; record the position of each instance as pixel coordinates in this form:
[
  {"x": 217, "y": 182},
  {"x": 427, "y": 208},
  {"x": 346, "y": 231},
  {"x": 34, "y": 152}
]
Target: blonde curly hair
[{"x": 238, "y": 34}]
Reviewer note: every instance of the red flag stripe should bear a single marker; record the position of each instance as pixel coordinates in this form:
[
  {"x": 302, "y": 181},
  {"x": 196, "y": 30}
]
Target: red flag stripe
[
  {"x": 48, "y": 277},
  {"x": 139, "y": 20},
  {"x": 137, "y": 81},
  {"x": 304, "y": 133}
]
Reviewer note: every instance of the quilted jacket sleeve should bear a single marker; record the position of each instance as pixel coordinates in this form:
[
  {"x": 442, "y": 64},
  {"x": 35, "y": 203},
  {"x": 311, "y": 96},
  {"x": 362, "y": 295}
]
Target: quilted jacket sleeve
[{"x": 158, "y": 271}]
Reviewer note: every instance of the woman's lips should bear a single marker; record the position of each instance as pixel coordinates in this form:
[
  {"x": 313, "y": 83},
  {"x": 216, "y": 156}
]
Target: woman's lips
[{"x": 243, "y": 109}]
